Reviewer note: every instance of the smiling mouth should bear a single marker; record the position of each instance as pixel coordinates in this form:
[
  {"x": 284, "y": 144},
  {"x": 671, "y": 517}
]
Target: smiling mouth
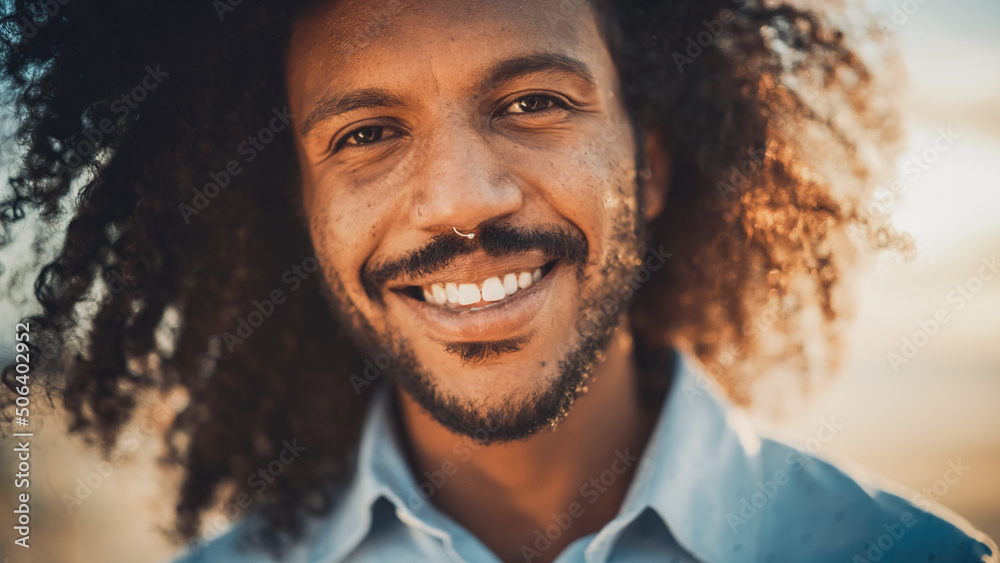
[{"x": 474, "y": 295}]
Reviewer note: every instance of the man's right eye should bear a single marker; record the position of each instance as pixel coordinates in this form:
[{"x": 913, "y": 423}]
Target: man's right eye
[{"x": 365, "y": 136}]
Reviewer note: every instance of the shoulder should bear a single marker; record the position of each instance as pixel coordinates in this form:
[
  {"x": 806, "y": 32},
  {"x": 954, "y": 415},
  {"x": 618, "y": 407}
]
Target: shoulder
[{"x": 810, "y": 507}]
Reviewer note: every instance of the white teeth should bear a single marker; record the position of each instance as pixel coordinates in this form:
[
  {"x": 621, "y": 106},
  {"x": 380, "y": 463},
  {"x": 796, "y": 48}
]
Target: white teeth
[
  {"x": 439, "y": 294},
  {"x": 493, "y": 290},
  {"x": 510, "y": 284},
  {"x": 451, "y": 290},
  {"x": 468, "y": 294}
]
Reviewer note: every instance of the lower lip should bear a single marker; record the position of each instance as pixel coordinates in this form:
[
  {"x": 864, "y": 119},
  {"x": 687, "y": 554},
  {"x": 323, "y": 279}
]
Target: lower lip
[{"x": 506, "y": 319}]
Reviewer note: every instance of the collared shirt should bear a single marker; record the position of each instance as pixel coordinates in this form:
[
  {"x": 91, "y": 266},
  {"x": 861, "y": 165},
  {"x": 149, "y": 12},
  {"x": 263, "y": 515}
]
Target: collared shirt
[{"x": 707, "y": 488}]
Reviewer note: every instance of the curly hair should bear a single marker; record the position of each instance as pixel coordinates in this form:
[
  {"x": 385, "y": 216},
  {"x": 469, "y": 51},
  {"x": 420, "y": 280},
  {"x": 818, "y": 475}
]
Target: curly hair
[{"x": 777, "y": 135}]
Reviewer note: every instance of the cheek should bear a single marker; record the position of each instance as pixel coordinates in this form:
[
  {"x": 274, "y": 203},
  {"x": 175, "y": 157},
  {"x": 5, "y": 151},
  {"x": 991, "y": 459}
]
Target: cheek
[
  {"x": 341, "y": 233},
  {"x": 350, "y": 210},
  {"x": 341, "y": 252},
  {"x": 609, "y": 160},
  {"x": 592, "y": 186}
]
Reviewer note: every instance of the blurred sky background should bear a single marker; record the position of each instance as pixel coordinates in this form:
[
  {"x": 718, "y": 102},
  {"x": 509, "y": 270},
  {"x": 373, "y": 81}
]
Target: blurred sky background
[{"x": 941, "y": 407}]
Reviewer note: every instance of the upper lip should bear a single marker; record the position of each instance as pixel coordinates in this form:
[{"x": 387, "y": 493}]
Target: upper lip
[{"x": 474, "y": 267}]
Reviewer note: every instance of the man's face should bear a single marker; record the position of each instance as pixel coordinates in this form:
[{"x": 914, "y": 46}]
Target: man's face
[{"x": 502, "y": 119}]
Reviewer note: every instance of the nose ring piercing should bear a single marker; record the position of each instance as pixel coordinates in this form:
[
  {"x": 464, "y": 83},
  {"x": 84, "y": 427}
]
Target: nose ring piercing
[{"x": 469, "y": 236}]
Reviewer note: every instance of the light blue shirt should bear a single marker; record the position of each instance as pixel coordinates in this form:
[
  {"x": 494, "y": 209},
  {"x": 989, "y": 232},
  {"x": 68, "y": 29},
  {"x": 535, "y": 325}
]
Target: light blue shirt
[{"x": 707, "y": 488}]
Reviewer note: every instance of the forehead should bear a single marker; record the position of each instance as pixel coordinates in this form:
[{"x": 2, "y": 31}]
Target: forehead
[{"x": 398, "y": 43}]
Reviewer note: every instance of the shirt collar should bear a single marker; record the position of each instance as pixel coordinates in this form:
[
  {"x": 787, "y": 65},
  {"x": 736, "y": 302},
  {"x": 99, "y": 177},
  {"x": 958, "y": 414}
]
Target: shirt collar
[
  {"x": 702, "y": 454},
  {"x": 382, "y": 472}
]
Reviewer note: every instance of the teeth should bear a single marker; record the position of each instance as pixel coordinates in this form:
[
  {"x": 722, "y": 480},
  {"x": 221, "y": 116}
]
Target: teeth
[
  {"x": 510, "y": 284},
  {"x": 451, "y": 290},
  {"x": 493, "y": 289},
  {"x": 439, "y": 294},
  {"x": 468, "y": 294}
]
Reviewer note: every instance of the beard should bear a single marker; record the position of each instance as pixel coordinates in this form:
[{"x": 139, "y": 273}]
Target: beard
[{"x": 514, "y": 416}]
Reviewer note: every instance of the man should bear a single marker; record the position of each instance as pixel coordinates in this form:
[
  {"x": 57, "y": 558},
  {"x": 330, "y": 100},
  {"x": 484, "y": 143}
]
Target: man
[{"x": 530, "y": 222}]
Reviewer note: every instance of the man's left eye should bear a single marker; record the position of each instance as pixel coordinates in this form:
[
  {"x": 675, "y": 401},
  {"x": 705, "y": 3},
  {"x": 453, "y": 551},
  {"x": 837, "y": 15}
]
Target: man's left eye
[{"x": 534, "y": 104}]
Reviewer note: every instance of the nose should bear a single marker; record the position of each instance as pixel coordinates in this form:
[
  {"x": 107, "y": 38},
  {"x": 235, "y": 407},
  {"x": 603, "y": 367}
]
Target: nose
[{"x": 461, "y": 182}]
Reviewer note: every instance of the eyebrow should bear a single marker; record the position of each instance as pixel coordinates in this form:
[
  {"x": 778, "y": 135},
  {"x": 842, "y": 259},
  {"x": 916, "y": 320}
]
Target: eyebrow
[
  {"x": 501, "y": 72},
  {"x": 550, "y": 63},
  {"x": 336, "y": 104}
]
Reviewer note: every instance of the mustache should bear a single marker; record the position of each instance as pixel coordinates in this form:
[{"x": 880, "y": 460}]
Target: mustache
[{"x": 497, "y": 240}]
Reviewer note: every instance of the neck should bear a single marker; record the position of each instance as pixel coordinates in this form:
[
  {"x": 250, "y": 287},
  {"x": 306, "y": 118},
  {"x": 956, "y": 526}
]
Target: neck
[{"x": 552, "y": 478}]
